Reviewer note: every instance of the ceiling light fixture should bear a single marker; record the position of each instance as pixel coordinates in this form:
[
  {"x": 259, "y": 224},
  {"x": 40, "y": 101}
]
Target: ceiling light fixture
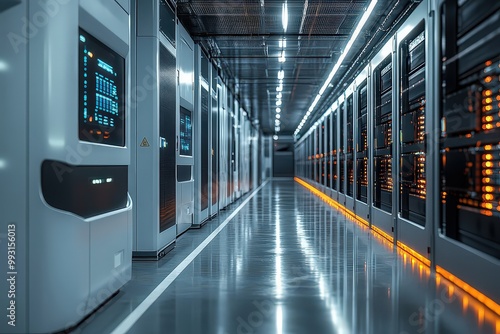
[
  {"x": 278, "y": 110},
  {"x": 279, "y": 96},
  {"x": 281, "y": 75},
  {"x": 335, "y": 68},
  {"x": 278, "y": 102},
  {"x": 284, "y": 16},
  {"x": 282, "y": 58}
]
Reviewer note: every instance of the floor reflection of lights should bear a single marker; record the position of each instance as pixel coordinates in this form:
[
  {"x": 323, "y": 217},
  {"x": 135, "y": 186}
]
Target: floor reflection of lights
[{"x": 449, "y": 287}]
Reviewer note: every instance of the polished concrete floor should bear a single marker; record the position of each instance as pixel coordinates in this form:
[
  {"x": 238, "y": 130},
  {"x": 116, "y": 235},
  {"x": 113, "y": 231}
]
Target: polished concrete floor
[{"x": 288, "y": 263}]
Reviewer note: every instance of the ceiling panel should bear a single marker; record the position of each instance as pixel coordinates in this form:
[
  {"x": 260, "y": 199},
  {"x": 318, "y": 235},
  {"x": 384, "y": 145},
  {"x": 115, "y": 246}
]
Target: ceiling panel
[{"x": 243, "y": 37}]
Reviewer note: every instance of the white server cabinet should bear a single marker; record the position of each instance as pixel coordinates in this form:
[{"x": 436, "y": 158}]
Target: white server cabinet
[
  {"x": 153, "y": 173},
  {"x": 202, "y": 143},
  {"x": 64, "y": 181},
  {"x": 214, "y": 142},
  {"x": 186, "y": 128}
]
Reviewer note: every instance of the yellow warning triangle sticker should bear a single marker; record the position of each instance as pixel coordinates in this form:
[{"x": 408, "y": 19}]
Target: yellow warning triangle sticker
[{"x": 144, "y": 142}]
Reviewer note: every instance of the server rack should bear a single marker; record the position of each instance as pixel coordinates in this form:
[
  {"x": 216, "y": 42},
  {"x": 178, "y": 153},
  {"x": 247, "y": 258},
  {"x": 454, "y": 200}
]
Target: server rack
[
  {"x": 323, "y": 175},
  {"x": 335, "y": 151},
  {"x": 153, "y": 175},
  {"x": 349, "y": 147},
  {"x": 328, "y": 155},
  {"x": 468, "y": 239},
  {"x": 214, "y": 143},
  {"x": 381, "y": 155},
  {"x": 223, "y": 149},
  {"x": 342, "y": 149},
  {"x": 413, "y": 122},
  {"x": 361, "y": 137},
  {"x": 186, "y": 131},
  {"x": 201, "y": 138}
]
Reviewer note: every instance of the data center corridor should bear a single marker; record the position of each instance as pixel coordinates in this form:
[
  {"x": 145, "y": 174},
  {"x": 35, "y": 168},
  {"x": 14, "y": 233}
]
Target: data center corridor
[{"x": 287, "y": 262}]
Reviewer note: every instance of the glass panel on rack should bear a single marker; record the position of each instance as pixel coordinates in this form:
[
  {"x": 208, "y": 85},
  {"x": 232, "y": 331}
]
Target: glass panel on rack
[{"x": 470, "y": 124}]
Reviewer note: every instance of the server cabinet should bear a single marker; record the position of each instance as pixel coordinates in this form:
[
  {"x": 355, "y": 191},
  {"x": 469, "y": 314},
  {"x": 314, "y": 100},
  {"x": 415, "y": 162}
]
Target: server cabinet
[
  {"x": 413, "y": 123},
  {"x": 322, "y": 143},
  {"x": 342, "y": 150},
  {"x": 223, "y": 147},
  {"x": 65, "y": 132},
  {"x": 361, "y": 137},
  {"x": 186, "y": 128},
  {"x": 382, "y": 97},
  {"x": 214, "y": 143},
  {"x": 201, "y": 138},
  {"x": 154, "y": 130},
  {"x": 349, "y": 155},
  {"x": 328, "y": 154},
  {"x": 335, "y": 151},
  {"x": 468, "y": 239}
]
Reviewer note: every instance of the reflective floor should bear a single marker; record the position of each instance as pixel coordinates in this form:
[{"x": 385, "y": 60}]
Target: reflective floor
[{"x": 289, "y": 263}]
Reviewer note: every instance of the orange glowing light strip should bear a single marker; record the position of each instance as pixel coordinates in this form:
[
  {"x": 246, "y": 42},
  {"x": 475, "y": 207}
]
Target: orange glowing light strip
[
  {"x": 383, "y": 234},
  {"x": 415, "y": 254},
  {"x": 332, "y": 202},
  {"x": 488, "y": 302},
  {"x": 469, "y": 289}
]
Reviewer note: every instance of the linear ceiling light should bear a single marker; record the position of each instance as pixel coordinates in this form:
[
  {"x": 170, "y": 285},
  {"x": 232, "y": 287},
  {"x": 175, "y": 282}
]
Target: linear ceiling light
[
  {"x": 281, "y": 74},
  {"x": 284, "y": 16},
  {"x": 282, "y": 57},
  {"x": 335, "y": 68}
]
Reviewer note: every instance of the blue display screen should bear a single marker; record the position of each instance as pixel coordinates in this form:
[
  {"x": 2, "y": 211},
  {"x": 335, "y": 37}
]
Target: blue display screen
[
  {"x": 101, "y": 92},
  {"x": 185, "y": 132}
]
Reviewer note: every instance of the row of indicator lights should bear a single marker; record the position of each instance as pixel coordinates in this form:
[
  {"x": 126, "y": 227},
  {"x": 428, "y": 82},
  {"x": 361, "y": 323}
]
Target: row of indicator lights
[
  {"x": 408, "y": 250},
  {"x": 102, "y": 180}
]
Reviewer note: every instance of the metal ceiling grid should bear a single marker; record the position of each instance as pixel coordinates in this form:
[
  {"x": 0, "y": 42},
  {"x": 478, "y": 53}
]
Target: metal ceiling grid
[{"x": 243, "y": 36}]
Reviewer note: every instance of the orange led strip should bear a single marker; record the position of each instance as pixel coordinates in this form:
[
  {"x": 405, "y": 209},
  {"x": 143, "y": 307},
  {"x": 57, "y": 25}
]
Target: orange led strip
[
  {"x": 469, "y": 289},
  {"x": 488, "y": 302},
  {"x": 415, "y": 254}
]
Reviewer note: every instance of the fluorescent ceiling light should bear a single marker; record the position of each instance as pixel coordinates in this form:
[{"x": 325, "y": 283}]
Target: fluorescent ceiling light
[
  {"x": 282, "y": 43},
  {"x": 351, "y": 41},
  {"x": 282, "y": 58},
  {"x": 284, "y": 16},
  {"x": 281, "y": 74}
]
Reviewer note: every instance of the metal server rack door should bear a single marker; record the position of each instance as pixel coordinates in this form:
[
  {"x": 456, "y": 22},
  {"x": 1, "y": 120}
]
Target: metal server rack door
[
  {"x": 342, "y": 150},
  {"x": 382, "y": 192},
  {"x": 362, "y": 145},
  {"x": 349, "y": 128},
  {"x": 335, "y": 151},
  {"x": 214, "y": 135},
  {"x": 470, "y": 142},
  {"x": 328, "y": 155},
  {"x": 412, "y": 127},
  {"x": 186, "y": 127}
]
